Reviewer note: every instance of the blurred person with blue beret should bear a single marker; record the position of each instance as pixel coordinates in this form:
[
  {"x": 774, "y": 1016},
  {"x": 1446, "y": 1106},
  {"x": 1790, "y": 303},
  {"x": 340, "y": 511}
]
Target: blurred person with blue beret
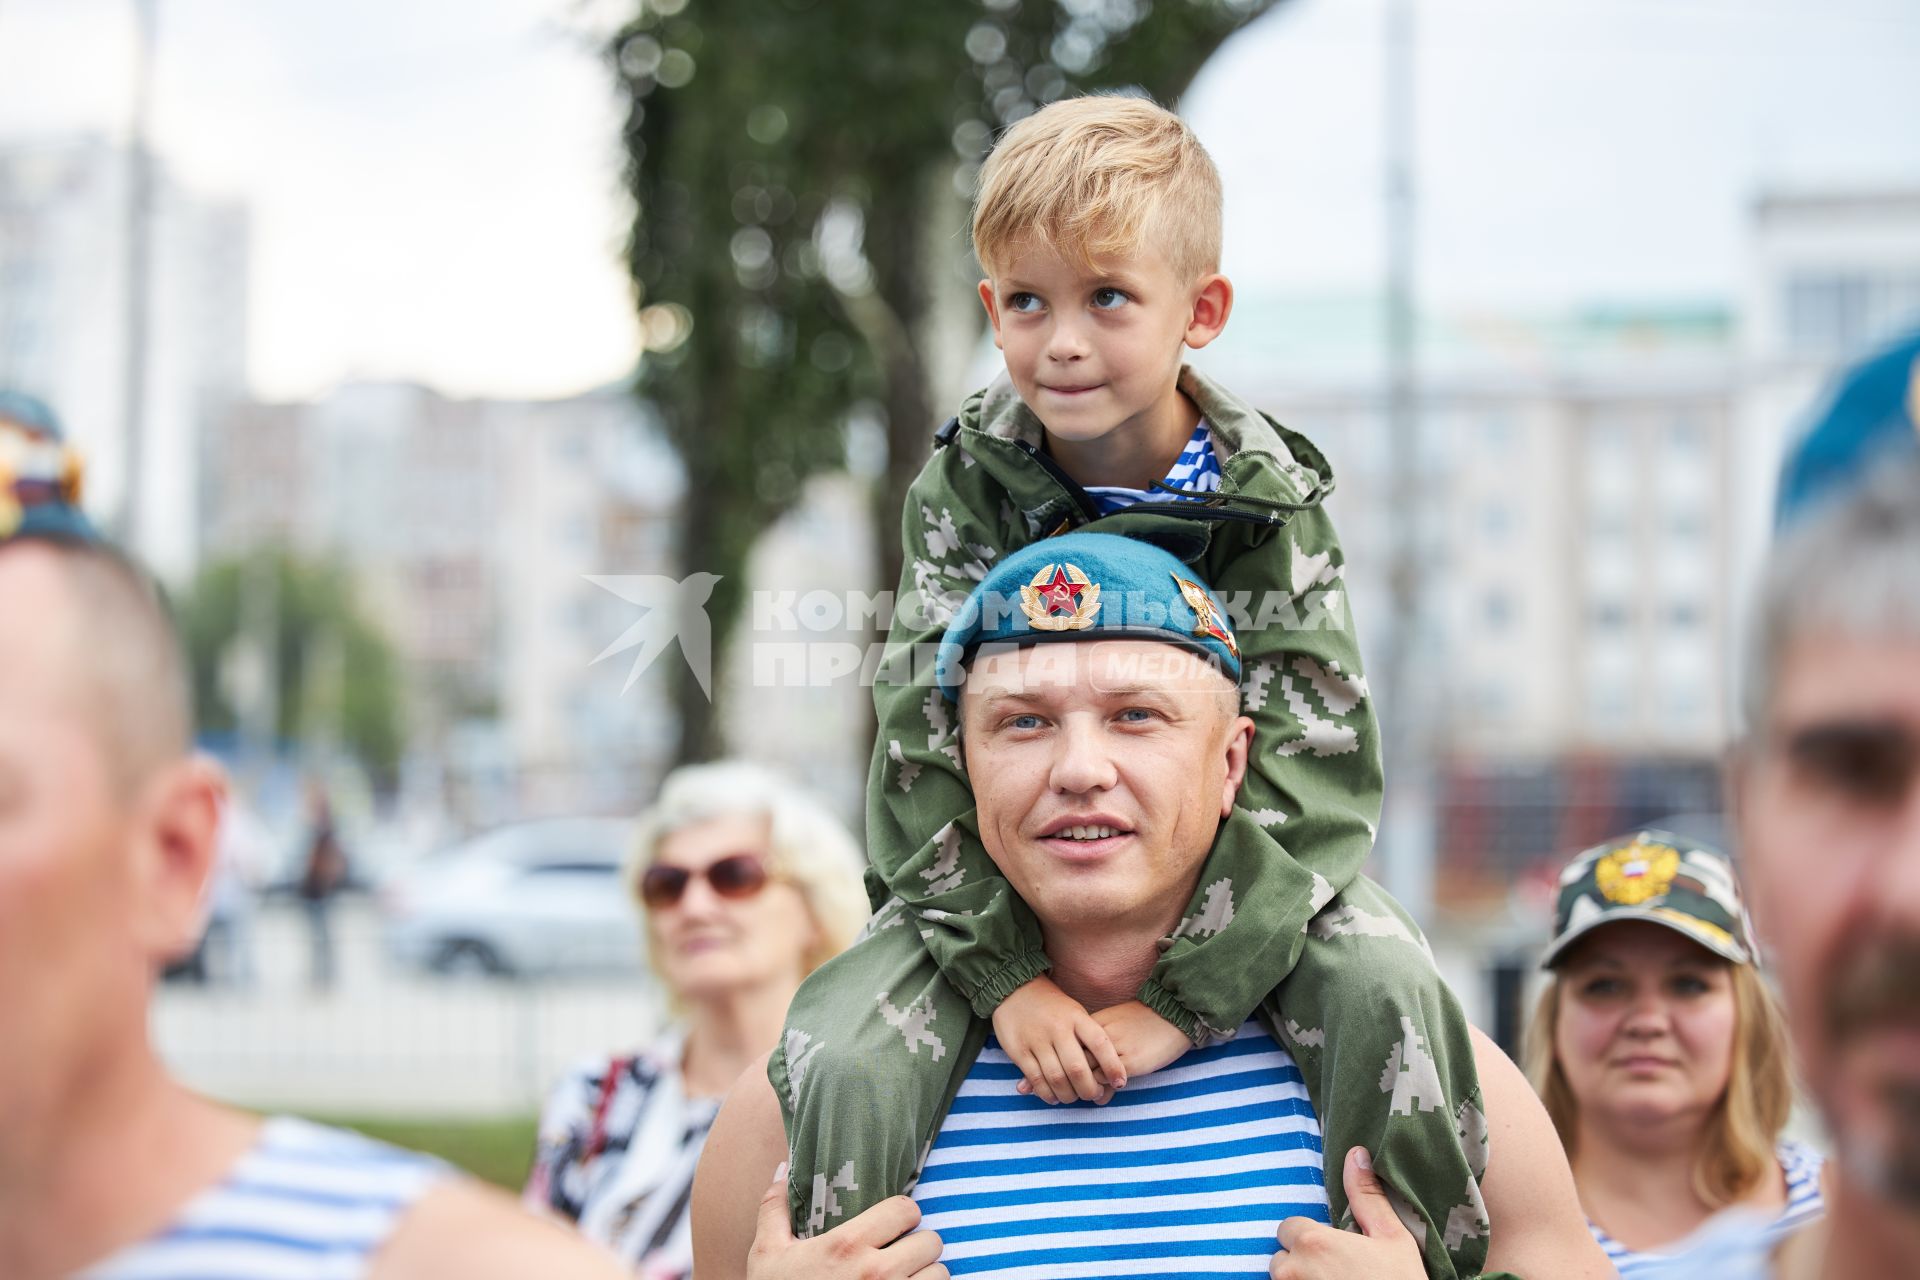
[
  {"x": 1826, "y": 799},
  {"x": 109, "y": 823}
]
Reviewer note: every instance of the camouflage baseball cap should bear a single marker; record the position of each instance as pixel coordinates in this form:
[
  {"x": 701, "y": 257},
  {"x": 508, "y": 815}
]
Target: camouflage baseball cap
[{"x": 1657, "y": 877}]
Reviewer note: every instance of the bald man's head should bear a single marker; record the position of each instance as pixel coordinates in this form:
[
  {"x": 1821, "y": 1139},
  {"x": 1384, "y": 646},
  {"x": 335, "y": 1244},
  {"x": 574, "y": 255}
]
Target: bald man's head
[{"x": 93, "y": 625}]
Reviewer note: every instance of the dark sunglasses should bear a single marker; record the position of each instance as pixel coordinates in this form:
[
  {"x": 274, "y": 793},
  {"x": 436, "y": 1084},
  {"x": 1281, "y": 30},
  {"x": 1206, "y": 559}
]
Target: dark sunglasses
[{"x": 739, "y": 875}]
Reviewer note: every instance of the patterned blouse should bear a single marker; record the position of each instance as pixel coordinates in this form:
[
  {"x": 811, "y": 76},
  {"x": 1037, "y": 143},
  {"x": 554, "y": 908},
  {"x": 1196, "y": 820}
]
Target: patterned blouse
[{"x": 618, "y": 1144}]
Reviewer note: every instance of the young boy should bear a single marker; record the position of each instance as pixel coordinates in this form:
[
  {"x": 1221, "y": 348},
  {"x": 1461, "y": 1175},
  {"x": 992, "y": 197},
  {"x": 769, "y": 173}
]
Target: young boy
[{"x": 1098, "y": 224}]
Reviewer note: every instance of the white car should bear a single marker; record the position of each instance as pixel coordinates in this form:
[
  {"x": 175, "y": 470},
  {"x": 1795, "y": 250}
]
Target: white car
[{"x": 532, "y": 898}]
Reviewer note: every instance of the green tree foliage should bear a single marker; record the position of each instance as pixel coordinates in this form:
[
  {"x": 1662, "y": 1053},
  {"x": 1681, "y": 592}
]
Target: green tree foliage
[
  {"x": 336, "y": 677},
  {"x": 799, "y": 171}
]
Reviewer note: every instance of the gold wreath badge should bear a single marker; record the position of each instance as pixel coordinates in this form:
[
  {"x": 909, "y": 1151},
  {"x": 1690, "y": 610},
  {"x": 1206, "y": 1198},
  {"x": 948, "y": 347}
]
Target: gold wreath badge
[
  {"x": 1060, "y": 598},
  {"x": 1636, "y": 873}
]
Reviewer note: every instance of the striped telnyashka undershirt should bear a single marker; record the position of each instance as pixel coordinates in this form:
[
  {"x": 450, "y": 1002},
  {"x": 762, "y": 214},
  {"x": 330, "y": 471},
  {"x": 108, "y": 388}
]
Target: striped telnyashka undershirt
[
  {"x": 1196, "y": 470},
  {"x": 1801, "y": 1166},
  {"x": 305, "y": 1203},
  {"x": 1187, "y": 1172}
]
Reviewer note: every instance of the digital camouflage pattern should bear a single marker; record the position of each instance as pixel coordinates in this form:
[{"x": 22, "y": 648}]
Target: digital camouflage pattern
[
  {"x": 1658, "y": 877},
  {"x": 1281, "y": 924}
]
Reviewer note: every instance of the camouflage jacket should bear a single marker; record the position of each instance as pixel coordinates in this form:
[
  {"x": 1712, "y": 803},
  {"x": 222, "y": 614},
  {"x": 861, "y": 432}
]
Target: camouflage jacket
[{"x": 1281, "y": 924}]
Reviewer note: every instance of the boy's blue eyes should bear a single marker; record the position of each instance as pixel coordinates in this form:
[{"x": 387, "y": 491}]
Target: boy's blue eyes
[{"x": 1103, "y": 299}]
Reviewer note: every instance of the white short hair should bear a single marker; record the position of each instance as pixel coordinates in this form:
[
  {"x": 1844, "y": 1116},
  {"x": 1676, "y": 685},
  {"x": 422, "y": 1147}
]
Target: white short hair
[
  {"x": 1853, "y": 568},
  {"x": 806, "y": 844}
]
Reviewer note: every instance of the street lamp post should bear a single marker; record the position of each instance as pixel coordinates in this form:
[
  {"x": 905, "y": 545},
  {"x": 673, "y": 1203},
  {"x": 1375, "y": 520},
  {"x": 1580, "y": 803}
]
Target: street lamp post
[
  {"x": 1407, "y": 835},
  {"x": 139, "y": 247}
]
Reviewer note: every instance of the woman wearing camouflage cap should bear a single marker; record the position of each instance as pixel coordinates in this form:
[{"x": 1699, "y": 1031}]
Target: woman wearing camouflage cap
[{"x": 1661, "y": 1054}]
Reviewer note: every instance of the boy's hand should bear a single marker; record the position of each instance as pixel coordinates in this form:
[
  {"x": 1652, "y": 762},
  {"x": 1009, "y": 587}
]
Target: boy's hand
[
  {"x": 1146, "y": 1041},
  {"x": 1060, "y": 1049}
]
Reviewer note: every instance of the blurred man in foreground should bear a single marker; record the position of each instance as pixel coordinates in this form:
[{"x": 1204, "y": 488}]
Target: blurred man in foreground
[
  {"x": 108, "y": 831},
  {"x": 1827, "y": 791}
]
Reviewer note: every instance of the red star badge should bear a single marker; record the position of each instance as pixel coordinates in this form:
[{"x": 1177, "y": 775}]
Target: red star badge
[{"x": 1061, "y": 595}]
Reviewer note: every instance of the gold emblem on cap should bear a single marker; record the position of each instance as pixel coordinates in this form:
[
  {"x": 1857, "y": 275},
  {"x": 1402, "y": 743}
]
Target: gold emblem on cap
[
  {"x": 1206, "y": 618},
  {"x": 1641, "y": 870},
  {"x": 1060, "y": 598}
]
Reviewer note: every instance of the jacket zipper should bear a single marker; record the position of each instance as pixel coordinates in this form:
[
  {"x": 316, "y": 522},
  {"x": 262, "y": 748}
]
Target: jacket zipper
[{"x": 1088, "y": 511}]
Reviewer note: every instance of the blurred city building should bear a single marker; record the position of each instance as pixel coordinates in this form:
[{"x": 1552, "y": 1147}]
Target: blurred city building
[
  {"x": 470, "y": 527},
  {"x": 1597, "y": 490},
  {"x": 63, "y": 319},
  {"x": 1573, "y": 550}
]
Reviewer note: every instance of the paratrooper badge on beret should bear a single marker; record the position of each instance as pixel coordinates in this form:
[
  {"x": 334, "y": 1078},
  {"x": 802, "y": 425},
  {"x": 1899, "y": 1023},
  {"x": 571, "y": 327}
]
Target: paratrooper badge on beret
[
  {"x": 1088, "y": 586},
  {"x": 1061, "y": 598}
]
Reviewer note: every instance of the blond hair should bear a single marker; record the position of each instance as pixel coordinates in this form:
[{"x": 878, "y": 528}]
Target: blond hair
[
  {"x": 1097, "y": 176},
  {"x": 1744, "y": 1127},
  {"x": 806, "y": 845}
]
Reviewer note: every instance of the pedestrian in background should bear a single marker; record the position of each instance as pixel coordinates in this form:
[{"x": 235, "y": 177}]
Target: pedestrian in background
[
  {"x": 746, "y": 885},
  {"x": 322, "y": 877},
  {"x": 1661, "y": 1054}
]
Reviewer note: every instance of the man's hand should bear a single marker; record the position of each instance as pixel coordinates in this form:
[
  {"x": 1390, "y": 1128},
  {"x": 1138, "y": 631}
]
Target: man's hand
[
  {"x": 1057, "y": 1045},
  {"x": 1381, "y": 1250},
  {"x": 1145, "y": 1040},
  {"x": 872, "y": 1246}
]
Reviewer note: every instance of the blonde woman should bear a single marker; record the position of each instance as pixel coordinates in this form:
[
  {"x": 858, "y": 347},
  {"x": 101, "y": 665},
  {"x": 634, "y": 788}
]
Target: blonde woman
[
  {"x": 1661, "y": 1053},
  {"x": 746, "y": 885}
]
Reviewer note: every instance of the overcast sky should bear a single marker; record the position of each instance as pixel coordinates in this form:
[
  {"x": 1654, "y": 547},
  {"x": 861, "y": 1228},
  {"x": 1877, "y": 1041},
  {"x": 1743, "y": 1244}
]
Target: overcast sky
[{"x": 434, "y": 183}]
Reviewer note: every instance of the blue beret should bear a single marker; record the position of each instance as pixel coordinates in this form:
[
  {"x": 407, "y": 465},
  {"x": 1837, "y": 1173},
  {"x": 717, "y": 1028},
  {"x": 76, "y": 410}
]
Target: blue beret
[
  {"x": 1871, "y": 416},
  {"x": 40, "y": 474},
  {"x": 1088, "y": 586}
]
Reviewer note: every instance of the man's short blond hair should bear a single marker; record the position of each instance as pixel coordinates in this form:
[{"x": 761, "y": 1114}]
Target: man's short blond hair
[{"x": 1092, "y": 177}]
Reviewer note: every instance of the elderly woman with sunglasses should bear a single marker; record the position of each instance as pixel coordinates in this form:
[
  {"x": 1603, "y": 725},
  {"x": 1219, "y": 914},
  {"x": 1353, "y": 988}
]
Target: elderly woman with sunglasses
[{"x": 746, "y": 885}]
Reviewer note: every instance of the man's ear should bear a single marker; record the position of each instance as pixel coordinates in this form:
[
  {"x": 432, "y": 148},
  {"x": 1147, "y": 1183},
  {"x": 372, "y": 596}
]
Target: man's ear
[
  {"x": 1212, "y": 304},
  {"x": 1239, "y": 746},
  {"x": 176, "y": 840},
  {"x": 992, "y": 304}
]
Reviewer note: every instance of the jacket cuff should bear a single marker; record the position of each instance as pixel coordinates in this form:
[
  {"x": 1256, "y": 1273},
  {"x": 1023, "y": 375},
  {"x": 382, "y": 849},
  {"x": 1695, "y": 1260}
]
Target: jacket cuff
[
  {"x": 1163, "y": 1002},
  {"x": 1010, "y": 977}
]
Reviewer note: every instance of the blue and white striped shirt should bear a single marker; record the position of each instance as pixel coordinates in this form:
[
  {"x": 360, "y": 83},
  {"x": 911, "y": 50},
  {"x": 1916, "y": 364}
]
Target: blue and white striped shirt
[
  {"x": 1801, "y": 1166},
  {"x": 304, "y": 1203},
  {"x": 1187, "y": 1172},
  {"x": 1196, "y": 471}
]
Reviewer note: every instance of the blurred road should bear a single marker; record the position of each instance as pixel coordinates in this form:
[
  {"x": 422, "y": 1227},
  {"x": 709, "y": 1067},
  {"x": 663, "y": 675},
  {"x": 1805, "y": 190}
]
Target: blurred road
[{"x": 384, "y": 1041}]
